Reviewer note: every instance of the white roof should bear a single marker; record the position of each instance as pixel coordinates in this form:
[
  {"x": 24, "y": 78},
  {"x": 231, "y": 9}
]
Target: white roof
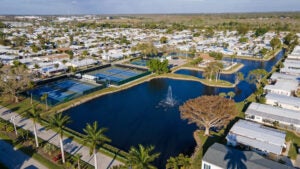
[
  {"x": 290, "y": 71},
  {"x": 274, "y": 113},
  {"x": 283, "y": 85},
  {"x": 283, "y": 76},
  {"x": 282, "y": 99},
  {"x": 258, "y": 136}
]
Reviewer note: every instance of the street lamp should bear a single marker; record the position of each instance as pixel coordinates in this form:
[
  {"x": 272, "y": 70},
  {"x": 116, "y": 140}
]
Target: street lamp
[{"x": 12, "y": 118}]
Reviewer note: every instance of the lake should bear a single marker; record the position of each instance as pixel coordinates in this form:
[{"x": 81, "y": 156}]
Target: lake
[{"x": 138, "y": 115}]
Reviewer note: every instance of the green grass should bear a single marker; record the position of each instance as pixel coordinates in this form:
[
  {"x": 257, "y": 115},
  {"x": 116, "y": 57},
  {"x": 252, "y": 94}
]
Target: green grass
[
  {"x": 295, "y": 142},
  {"x": 219, "y": 83}
]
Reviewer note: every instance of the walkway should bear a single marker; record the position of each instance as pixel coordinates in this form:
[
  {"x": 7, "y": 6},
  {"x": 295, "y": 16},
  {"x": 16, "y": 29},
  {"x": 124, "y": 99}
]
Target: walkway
[
  {"x": 70, "y": 145},
  {"x": 17, "y": 159}
]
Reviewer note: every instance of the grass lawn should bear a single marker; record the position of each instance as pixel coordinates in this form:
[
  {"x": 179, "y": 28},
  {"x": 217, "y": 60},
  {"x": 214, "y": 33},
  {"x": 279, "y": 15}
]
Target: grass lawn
[{"x": 295, "y": 143}]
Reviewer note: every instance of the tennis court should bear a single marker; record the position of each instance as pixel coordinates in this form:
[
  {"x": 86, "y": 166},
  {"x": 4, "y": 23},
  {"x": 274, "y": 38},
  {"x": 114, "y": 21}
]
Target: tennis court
[
  {"x": 140, "y": 62},
  {"x": 116, "y": 74},
  {"x": 63, "y": 90}
]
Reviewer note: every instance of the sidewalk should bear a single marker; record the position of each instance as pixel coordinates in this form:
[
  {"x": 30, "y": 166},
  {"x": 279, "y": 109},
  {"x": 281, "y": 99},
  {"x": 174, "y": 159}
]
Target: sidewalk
[
  {"x": 70, "y": 146},
  {"x": 16, "y": 159}
]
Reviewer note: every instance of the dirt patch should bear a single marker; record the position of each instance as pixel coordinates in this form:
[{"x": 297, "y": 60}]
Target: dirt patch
[{"x": 206, "y": 56}]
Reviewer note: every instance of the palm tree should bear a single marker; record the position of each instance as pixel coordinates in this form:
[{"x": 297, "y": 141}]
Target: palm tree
[
  {"x": 172, "y": 163},
  {"x": 57, "y": 123},
  {"x": 141, "y": 157},
  {"x": 184, "y": 161},
  {"x": 231, "y": 94},
  {"x": 232, "y": 57},
  {"x": 95, "y": 137},
  {"x": 35, "y": 116},
  {"x": 222, "y": 94},
  {"x": 179, "y": 162},
  {"x": 77, "y": 158},
  {"x": 45, "y": 98}
]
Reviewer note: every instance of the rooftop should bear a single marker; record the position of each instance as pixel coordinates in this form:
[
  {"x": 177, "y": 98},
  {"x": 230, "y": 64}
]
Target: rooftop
[
  {"x": 228, "y": 157},
  {"x": 290, "y": 100},
  {"x": 258, "y": 136},
  {"x": 275, "y": 113}
]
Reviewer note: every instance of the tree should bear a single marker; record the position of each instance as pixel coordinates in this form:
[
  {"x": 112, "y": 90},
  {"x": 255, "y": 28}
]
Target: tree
[
  {"x": 213, "y": 69},
  {"x": 77, "y": 158},
  {"x": 290, "y": 39},
  {"x": 275, "y": 43},
  {"x": 141, "y": 157},
  {"x": 232, "y": 57},
  {"x": 14, "y": 80},
  {"x": 44, "y": 97},
  {"x": 179, "y": 162},
  {"x": 157, "y": 66},
  {"x": 85, "y": 53},
  {"x": 222, "y": 94},
  {"x": 209, "y": 33},
  {"x": 239, "y": 77},
  {"x": 163, "y": 40},
  {"x": 208, "y": 111},
  {"x": 255, "y": 76},
  {"x": 56, "y": 65},
  {"x": 216, "y": 55},
  {"x": 263, "y": 51},
  {"x": 196, "y": 61},
  {"x": 260, "y": 31},
  {"x": 243, "y": 40},
  {"x": 231, "y": 94},
  {"x": 57, "y": 123},
  {"x": 35, "y": 116},
  {"x": 242, "y": 29},
  {"x": 95, "y": 137},
  {"x": 147, "y": 49},
  {"x": 36, "y": 66}
]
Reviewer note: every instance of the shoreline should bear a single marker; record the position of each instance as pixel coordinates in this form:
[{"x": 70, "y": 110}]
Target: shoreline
[
  {"x": 200, "y": 69},
  {"x": 78, "y": 101},
  {"x": 256, "y": 59}
]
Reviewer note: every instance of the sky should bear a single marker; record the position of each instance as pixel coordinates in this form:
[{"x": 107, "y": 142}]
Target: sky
[{"x": 44, "y": 7}]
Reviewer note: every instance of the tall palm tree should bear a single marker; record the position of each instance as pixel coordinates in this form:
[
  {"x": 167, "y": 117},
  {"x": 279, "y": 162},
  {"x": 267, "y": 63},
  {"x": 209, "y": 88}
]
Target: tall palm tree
[
  {"x": 142, "y": 157},
  {"x": 77, "y": 158},
  {"x": 45, "y": 98},
  {"x": 95, "y": 137},
  {"x": 57, "y": 123},
  {"x": 35, "y": 116}
]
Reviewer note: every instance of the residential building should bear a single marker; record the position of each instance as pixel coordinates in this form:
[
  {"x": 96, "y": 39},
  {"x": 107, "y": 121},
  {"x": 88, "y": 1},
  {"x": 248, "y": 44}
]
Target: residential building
[
  {"x": 257, "y": 137},
  {"x": 268, "y": 114},
  {"x": 286, "y": 102},
  {"x": 219, "y": 156},
  {"x": 283, "y": 87}
]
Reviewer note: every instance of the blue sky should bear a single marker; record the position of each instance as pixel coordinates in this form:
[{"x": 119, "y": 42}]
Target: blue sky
[{"x": 143, "y": 6}]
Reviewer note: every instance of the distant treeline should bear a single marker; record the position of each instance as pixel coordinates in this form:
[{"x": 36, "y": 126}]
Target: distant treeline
[{"x": 251, "y": 21}]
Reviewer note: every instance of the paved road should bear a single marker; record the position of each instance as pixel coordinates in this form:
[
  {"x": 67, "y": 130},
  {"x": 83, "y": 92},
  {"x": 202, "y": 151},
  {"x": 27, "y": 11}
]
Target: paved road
[
  {"x": 16, "y": 159},
  {"x": 104, "y": 162}
]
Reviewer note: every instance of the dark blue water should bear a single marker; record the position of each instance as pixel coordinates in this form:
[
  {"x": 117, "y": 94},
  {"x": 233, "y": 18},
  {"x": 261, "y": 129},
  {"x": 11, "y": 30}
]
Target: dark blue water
[{"x": 136, "y": 115}]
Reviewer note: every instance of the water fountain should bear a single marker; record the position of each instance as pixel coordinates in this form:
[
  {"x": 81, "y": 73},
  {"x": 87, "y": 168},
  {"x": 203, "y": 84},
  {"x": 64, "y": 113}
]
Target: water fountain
[{"x": 170, "y": 100}]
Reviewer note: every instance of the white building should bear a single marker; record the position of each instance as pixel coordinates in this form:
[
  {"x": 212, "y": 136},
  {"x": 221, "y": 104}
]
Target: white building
[
  {"x": 219, "y": 156},
  {"x": 283, "y": 87},
  {"x": 268, "y": 114},
  {"x": 286, "y": 102},
  {"x": 257, "y": 137}
]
